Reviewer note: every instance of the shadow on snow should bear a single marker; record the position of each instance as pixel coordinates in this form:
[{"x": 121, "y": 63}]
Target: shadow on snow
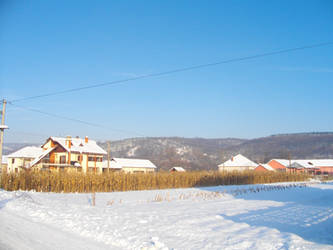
[{"x": 307, "y": 212}]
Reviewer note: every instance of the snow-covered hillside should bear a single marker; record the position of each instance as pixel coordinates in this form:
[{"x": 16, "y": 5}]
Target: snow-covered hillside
[{"x": 224, "y": 217}]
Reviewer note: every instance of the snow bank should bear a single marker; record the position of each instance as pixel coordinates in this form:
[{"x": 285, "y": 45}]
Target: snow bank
[{"x": 195, "y": 218}]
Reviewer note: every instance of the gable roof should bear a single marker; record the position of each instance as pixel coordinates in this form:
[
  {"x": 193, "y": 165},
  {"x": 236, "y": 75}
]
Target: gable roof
[
  {"x": 283, "y": 162},
  {"x": 238, "y": 161},
  {"x": 322, "y": 162},
  {"x": 27, "y": 152},
  {"x": 119, "y": 163},
  {"x": 113, "y": 165},
  {"x": 178, "y": 169},
  {"x": 39, "y": 157},
  {"x": 79, "y": 145},
  {"x": 266, "y": 166},
  {"x": 315, "y": 163}
]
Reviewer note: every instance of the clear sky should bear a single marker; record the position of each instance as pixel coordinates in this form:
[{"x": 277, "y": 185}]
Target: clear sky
[{"x": 48, "y": 46}]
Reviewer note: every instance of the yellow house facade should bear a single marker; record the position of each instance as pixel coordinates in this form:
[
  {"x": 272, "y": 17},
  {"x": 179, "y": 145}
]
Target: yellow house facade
[
  {"x": 77, "y": 154},
  {"x": 60, "y": 154}
]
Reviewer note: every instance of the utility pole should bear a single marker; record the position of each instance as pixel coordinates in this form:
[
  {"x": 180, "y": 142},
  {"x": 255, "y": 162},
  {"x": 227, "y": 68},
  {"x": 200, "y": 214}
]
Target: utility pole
[
  {"x": 109, "y": 153},
  {"x": 2, "y": 128},
  {"x": 289, "y": 158}
]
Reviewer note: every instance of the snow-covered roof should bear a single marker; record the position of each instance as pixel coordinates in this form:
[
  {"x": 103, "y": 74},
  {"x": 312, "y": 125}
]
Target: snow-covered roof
[
  {"x": 119, "y": 163},
  {"x": 79, "y": 145},
  {"x": 304, "y": 163},
  {"x": 178, "y": 169},
  {"x": 266, "y": 166},
  {"x": 239, "y": 161},
  {"x": 283, "y": 162},
  {"x": 112, "y": 165},
  {"x": 27, "y": 152},
  {"x": 310, "y": 163},
  {"x": 39, "y": 157},
  {"x": 322, "y": 162}
]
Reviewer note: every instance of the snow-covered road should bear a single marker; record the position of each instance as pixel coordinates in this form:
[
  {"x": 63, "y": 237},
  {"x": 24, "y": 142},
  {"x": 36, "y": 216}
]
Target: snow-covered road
[{"x": 196, "y": 218}]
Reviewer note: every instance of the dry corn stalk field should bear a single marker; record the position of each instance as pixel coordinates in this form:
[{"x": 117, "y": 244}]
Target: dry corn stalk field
[{"x": 110, "y": 182}]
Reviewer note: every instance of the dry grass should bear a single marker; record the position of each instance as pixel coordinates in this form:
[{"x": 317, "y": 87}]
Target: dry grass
[{"x": 78, "y": 182}]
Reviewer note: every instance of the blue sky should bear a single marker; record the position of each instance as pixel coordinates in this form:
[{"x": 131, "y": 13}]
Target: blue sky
[{"x": 48, "y": 46}]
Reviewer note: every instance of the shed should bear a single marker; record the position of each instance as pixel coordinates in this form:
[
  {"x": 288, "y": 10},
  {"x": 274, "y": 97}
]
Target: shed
[{"x": 177, "y": 169}]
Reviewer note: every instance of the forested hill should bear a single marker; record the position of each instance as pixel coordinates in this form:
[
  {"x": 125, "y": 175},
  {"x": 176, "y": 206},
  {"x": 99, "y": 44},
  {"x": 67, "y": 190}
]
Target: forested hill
[{"x": 200, "y": 153}]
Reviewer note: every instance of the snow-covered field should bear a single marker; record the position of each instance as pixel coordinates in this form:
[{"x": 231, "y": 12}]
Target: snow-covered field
[{"x": 195, "y": 218}]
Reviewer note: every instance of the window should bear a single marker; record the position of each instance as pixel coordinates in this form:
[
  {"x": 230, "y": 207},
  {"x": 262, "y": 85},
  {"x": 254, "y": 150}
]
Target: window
[
  {"x": 63, "y": 159},
  {"x": 91, "y": 158},
  {"x": 13, "y": 161},
  {"x": 100, "y": 159},
  {"x": 79, "y": 157}
]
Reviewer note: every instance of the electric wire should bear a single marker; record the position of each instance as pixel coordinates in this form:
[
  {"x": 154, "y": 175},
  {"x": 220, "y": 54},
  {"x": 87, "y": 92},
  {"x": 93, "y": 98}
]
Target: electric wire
[
  {"x": 76, "y": 120},
  {"x": 238, "y": 59}
]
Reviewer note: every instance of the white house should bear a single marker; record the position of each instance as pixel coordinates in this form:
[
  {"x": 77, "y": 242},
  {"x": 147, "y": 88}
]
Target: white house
[
  {"x": 129, "y": 165},
  {"x": 22, "y": 158},
  {"x": 237, "y": 163}
]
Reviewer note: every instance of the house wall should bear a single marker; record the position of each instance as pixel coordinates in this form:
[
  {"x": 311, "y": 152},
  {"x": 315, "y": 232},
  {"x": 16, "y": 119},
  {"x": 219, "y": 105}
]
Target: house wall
[
  {"x": 294, "y": 170},
  {"x": 240, "y": 168},
  {"x": 16, "y": 167},
  {"x": 276, "y": 165},
  {"x": 134, "y": 170},
  {"x": 328, "y": 170},
  {"x": 87, "y": 166},
  {"x": 260, "y": 169}
]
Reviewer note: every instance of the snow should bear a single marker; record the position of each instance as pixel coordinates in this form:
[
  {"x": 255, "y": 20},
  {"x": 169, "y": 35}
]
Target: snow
[
  {"x": 310, "y": 163},
  {"x": 41, "y": 156},
  {"x": 266, "y": 166},
  {"x": 223, "y": 217},
  {"x": 119, "y": 163},
  {"x": 239, "y": 161},
  {"x": 79, "y": 145},
  {"x": 132, "y": 151},
  {"x": 178, "y": 169},
  {"x": 27, "y": 152}
]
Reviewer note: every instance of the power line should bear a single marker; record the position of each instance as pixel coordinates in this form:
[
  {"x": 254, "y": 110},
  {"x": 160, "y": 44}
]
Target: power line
[
  {"x": 76, "y": 120},
  {"x": 174, "y": 71}
]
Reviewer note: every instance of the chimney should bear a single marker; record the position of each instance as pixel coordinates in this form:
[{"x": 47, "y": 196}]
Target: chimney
[
  {"x": 86, "y": 139},
  {"x": 232, "y": 158},
  {"x": 69, "y": 141}
]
